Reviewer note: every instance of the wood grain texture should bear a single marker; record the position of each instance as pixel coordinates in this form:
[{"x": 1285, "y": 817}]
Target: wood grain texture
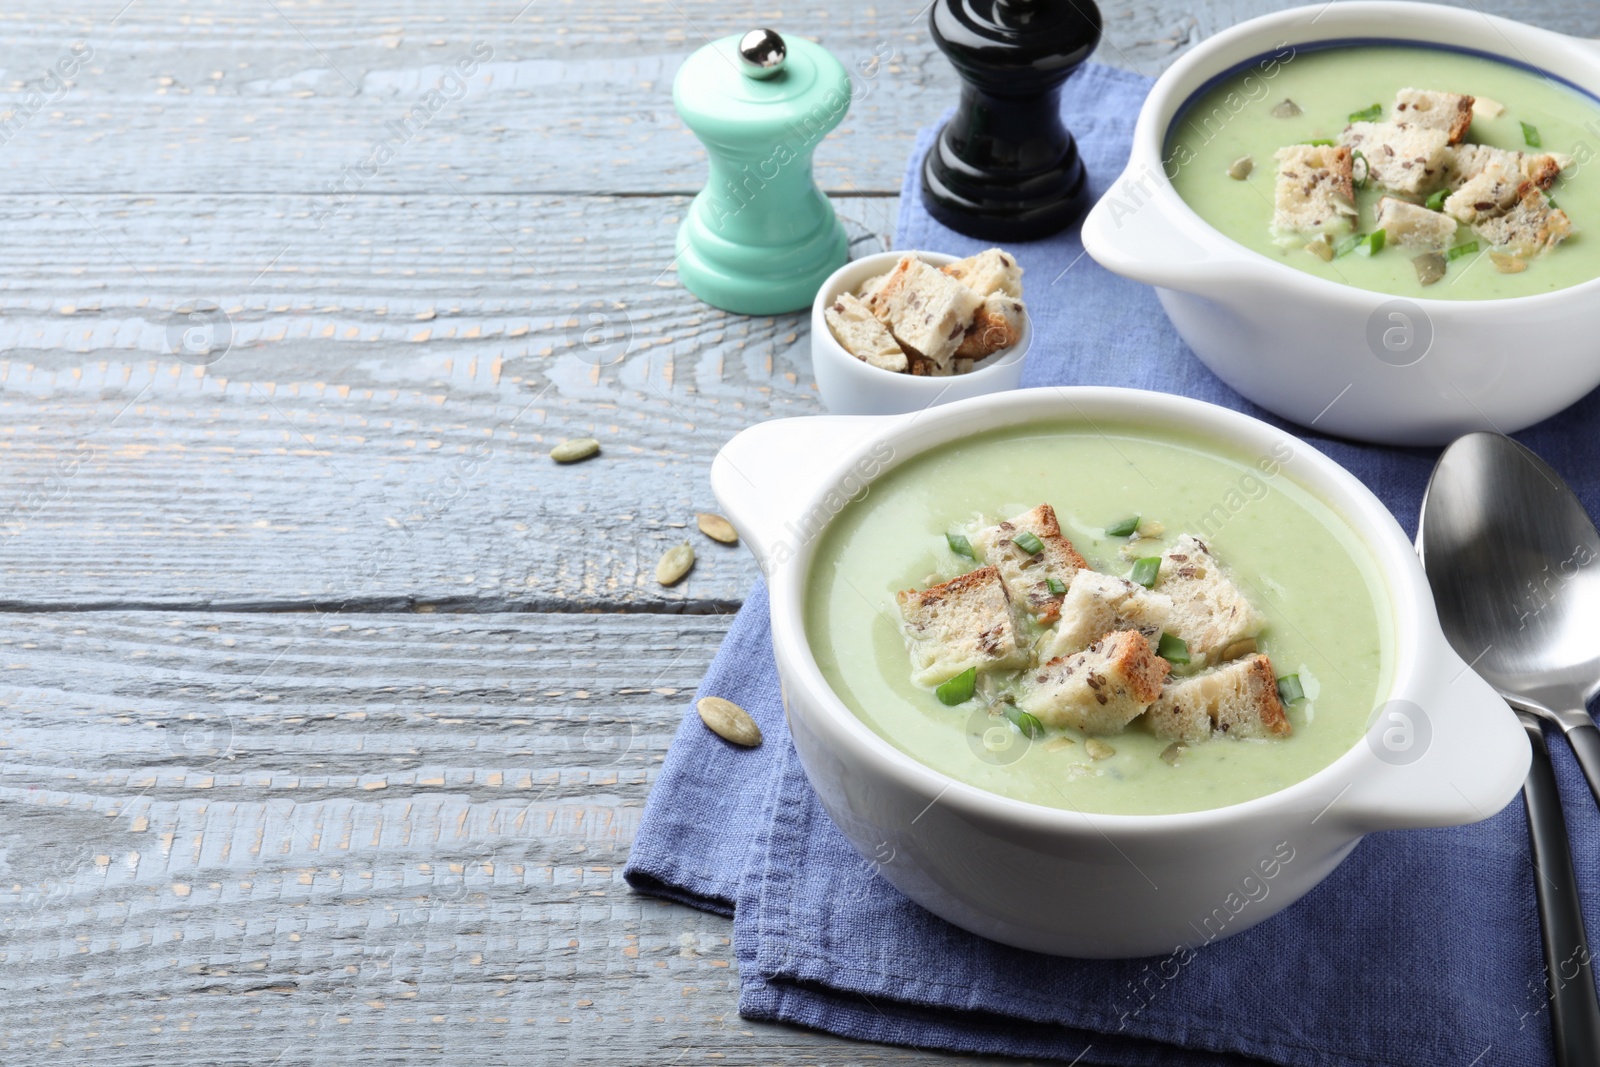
[{"x": 250, "y": 814}]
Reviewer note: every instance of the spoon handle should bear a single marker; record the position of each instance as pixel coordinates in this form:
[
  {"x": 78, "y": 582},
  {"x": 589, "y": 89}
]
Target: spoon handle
[
  {"x": 1569, "y": 978},
  {"x": 1585, "y": 742}
]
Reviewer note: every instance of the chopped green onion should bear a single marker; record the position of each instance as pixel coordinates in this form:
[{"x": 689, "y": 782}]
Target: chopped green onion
[
  {"x": 1371, "y": 244},
  {"x": 1346, "y": 246},
  {"x": 1290, "y": 689},
  {"x": 1124, "y": 528},
  {"x": 1145, "y": 571},
  {"x": 1367, "y": 114},
  {"x": 1319, "y": 141},
  {"x": 1056, "y": 586},
  {"x": 1462, "y": 250},
  {"x": 1026, "y": 723},
  {"x": 1530, "y": 136},
  {"x": 1436, "y": 201},
  {"x": 1173, "y": 649},
  {"x": 1366, "y": 169},
  {"x": 1028, "y": 543},
  {"x": 960, "y": 545},
  {"x": 1552, "y": 201},
  {"x": 959, "y": 689}
]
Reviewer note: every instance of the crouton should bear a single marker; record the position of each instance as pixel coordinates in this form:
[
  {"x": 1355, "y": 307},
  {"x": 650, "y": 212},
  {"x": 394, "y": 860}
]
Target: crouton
[
  {"x": 1208, "y": 611},
  {"x": 1099, "y": 690},
  {"x": 928, "y": 312},
  {"x": 1027, "y": 575},
  {"x": 1239, "y": 699},
  {"x": 996, "y": 325},
  {"x": 1450, "y": 112},
  {"x": 858, "y": 330},
  {"x": 1400, "y": 158},
  {"x": 989, "y": 272},
  {"x": 1097, "y": 604},
  {"x": 1464, "y": 162},
  {"x": 1492, "y": 191},
  {"x": 1415, "y": 226},
  {"x": 966, "y": 622},
  {"x": 1315, "y": 192},
  {"x": 1531, "y": 227}
]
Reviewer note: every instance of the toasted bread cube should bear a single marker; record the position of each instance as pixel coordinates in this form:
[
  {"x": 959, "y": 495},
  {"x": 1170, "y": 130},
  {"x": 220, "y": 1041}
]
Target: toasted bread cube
[
  {"x": 966, "y": 622},
  {"x": 927, "y": 311},
  {"x": 1530, "y": 228},
  {"x": 860, "y": 333},
  {"x": 1099, "y": 690},
  {"x": 1238, "y": 699},
  {"x": 996, "y": 325},
  {"x": 989, "y": 272},
  {"x": 1450, "y": 112},
  {"x": 1208, "y": 611},
  {"x": 1415, "y": 226},
  {"x": 1464, "y": 162},
  {"x": 1097, "y": 604},
  {"x": 1314, "y": 192},
  {"x": 1027, "y": 576},
  {"x": 1400, "y": 158},
  {"x": 1494, "y": 190}
]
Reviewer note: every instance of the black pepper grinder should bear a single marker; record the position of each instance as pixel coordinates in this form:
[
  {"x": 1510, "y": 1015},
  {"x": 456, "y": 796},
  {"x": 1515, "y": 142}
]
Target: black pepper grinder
[{"x": 1004, "y": 168}]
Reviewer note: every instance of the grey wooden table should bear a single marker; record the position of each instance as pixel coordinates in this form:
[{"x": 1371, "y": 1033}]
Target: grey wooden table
[{"x": 328, "y": 704}]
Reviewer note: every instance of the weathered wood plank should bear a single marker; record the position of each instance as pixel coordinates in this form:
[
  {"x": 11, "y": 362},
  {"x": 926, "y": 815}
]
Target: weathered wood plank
[
  {"x": 570, "y": 97},
  {"x": 232, "y": 837},
  {"x": 376, "y": 436}
]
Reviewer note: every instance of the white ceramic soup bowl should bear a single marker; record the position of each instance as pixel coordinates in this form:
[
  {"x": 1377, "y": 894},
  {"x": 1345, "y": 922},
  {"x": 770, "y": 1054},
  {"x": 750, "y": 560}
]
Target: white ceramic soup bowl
[
  {"x": 1444, "y": 751},
  {"x": 1349, "y": 361},
  {"x": 851, "y": 387}
]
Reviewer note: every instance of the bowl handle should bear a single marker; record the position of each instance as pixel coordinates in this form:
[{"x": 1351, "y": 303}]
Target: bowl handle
[
  {"x": 1458, "y": 760},
  {"x": 765, "y": 478},
  {"x": 1131, "y": 231}
]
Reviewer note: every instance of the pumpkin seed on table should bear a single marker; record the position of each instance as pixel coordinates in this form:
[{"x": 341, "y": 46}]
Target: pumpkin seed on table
[
  {"x": 674, "y": 564},
  {"x": 1098, "y": 749},
  {"x": 728, "y": 721},
  {"x": 716, "y": 527},
  {"x": 574, "y": 450}
]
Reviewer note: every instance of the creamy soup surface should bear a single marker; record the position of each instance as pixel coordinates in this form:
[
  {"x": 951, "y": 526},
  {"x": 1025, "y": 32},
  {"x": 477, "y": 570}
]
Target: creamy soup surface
[
  {"x": 1234, "y": 119},
  {"x": 1295, "y": 558}
]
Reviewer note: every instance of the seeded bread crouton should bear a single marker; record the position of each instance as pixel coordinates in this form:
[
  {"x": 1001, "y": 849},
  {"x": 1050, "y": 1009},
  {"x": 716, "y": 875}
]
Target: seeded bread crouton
[
  {"x": 996, "y": 325},
  {"x": 1466, "y": 161},
  {"x": 1531, "y": 226},
  {"x": 1097, "y": 604},
  {"x": 1099, "y": 690},
  {"x": 927, "y": 311},
  {"x": 1314, "y": 191},
  {"x": 1239, "y": 699},
  {"x": 1492, "y": 191},
  {"x": 1414, "y": 226},
  {"x": 990, "y": 271},
  {"x": 856, "y": 328},
  {"x": 1208, "y": 611},
  {"x": 1027, "y": 575},
  {"x": 966, "y": 622},
  {"x": 1400, "y": 158},
  {"x": 1450, "y": 112}
]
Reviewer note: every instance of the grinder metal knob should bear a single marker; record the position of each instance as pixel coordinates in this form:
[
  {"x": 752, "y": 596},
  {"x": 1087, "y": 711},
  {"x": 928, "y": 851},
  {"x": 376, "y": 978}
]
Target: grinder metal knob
[{"x": 761, "y": 53}]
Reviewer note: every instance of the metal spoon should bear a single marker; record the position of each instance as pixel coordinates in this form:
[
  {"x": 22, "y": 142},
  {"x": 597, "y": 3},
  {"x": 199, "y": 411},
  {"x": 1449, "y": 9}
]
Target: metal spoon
[
  {"x": 1511, "y": 554},
  {"x": 1495, "y": 521}
]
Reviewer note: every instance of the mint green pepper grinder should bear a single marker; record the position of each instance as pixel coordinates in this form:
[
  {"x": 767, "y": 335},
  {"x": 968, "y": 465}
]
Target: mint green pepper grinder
[{"x": 760, "y": 238}]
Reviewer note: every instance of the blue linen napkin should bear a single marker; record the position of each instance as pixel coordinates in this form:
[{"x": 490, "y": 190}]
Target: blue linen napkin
[{"x": 1422, "y": 948}]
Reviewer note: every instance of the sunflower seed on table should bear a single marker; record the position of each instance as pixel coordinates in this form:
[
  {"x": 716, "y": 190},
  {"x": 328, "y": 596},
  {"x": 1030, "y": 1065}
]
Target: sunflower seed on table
[
  {"x": 728, "y": 721},
  {"x": 575, "y": 449},
  {"x": 1098, "y": 749},
  {"x": 716, "y": 527},
  {"x": 674, "y": 564}
]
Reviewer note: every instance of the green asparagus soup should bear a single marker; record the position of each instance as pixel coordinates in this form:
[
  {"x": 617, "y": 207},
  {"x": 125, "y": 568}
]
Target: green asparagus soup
[
  {"x": 1294, "y": 98},
  {"x": 1301, "y": 566}
]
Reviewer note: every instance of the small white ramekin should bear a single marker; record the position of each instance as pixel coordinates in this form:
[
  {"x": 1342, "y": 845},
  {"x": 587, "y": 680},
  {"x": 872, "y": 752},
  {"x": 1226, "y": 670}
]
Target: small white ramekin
[{"x": 851, "y": 387}]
